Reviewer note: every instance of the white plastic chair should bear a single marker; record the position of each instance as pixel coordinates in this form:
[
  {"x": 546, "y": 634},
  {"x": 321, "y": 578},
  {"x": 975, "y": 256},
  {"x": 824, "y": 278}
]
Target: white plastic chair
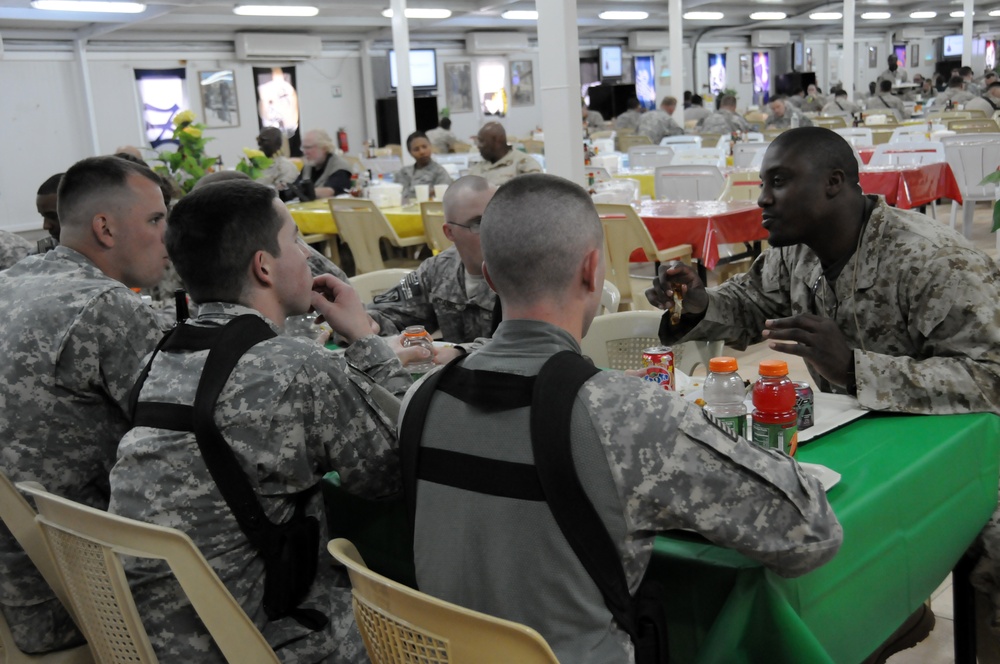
[
  {"x": 616, "y": 341},
  {"x": 859, "y": 137},
  {"x": 610, "y": 298},
  {"x": 600, "y": 173},
  {"x": 689, "y": 182},
  {"x": 972, "y": 157},
  {"x": 649, "y": 156},
  {"x": 742, "y": 185},
  {"x": 682, "y": 141},
  {"x": 620, "y": 191},
  {"x": 744, "y": 153},
  {"x": 715, "y": 156},
  {"x": 755, "y": 137},
  {"x": 913, "y": 152},
  {"x": 362, "y": 226},
  {"x": 370, "y": 284},
  {"x": 911, "y": 133}
]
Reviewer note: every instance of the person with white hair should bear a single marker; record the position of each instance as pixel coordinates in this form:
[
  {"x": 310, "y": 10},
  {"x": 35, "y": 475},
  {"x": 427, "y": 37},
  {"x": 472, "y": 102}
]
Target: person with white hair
[{"x": 329, "y": 173}]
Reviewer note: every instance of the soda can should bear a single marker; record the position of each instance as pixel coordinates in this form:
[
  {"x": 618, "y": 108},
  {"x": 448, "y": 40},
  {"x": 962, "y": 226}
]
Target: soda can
[
  {"x": 804, "y": 404},
  {"x": 659, "y": 364}
]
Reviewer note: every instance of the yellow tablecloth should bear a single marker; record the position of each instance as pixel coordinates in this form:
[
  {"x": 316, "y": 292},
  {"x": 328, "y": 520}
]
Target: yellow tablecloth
[
  {"x": 645, "y": 177},
  {"x": 315, "y": 217}
]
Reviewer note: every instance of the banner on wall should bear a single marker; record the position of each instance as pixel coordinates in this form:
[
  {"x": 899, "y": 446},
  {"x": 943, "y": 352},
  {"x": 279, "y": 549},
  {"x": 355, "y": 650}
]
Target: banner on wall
[
  {"x": 163, "y": 95},
  {"x": 278, "y": 103},
  {"x": 761, "y": 77},
  {"x": 900, "y": 52},
  {"x": 645, "y": 81},
  {"x": 716, "y": 73}
]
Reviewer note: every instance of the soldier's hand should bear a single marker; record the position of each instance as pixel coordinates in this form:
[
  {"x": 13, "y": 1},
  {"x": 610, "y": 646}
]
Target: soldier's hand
[
  {"x": 816, "y": 340},
  {"x": 339, "y": 305},
  {"x": 408, "y": 354},
  {"x": 676, "y": 277}
]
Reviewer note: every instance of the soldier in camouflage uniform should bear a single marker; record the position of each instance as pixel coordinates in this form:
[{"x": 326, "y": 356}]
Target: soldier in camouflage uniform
[
  {"x": 72, "y": 338},
  {"x": 658, "y": 124},
  {"x": 648, "y": 460},
  {"x": 13, "y": 248},
  {"x": 784, "y": 114},
  {"x": 447, "y": 292},
  {"x": 723, "y": 121},
  {"x": 631, "y": 117},
  {"x": 291, "y": 411},
  {"x": 425, "y": 170}
]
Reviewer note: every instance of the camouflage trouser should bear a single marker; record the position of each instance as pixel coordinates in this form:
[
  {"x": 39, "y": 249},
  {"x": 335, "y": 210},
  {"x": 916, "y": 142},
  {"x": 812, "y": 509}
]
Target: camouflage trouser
[
  {"x": 986, "y": 575},
  {"x": 42, "y": 628}
]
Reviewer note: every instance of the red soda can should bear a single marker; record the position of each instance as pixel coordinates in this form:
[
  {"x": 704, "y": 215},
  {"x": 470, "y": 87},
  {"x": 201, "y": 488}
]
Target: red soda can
[{"x": 659, "y": 364}]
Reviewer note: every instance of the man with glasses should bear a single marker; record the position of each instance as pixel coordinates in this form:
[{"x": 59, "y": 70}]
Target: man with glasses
[
  {"x": 328, "y": 172},
  {"x": 447, "y": 292}
]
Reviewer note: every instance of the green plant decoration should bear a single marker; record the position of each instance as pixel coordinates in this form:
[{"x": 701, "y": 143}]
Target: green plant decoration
[{"x": 189, "y": 163}]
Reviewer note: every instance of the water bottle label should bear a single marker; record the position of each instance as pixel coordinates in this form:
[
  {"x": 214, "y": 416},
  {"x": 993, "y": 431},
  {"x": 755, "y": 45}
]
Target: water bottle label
[
  {"x": 781, "y": 437},
  {"x": 737, "y": 424}
]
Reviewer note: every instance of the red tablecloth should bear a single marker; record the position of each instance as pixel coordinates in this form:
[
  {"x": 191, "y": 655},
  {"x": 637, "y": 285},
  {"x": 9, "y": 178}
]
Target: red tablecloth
[
  {"x": 908, "y": 187},
  {"x": 866, "y": 154},
  {"x": 702, "y": 224}
]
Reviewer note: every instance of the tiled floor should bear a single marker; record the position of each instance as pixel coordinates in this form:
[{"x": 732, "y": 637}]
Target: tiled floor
[{"x": 938, "y": 647}]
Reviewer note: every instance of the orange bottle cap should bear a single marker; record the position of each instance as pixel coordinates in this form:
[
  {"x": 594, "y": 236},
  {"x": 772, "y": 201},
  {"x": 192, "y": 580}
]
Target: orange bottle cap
[
  {"x": 773, "y": 368},
  {"x": 723, "y": 363}
]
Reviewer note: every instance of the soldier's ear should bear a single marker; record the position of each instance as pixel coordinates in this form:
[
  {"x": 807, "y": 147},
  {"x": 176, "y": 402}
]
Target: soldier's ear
[
  {"x": 449, "y": 232},
  {"x": 261, "y": 268},
  {"x": 835, "y": 182},
  {"x": 103, "y": 228}
]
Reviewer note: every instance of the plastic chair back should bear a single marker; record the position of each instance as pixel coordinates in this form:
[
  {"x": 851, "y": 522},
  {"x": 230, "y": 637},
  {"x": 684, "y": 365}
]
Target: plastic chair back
[
  {"x": 742, "y": 185},
  {"x": 616, "y": 341},
  {"x": 622, "y": 191},
  {"x": 19, "y": 518},
  {"x": 370, "y": 284},
  {"x": 971, "y": 157},
  {"x": 628, "y": 141},
  {"x": 915, "y": 152},
  {"x": 744, "y": 153},
  {"x": 87, "y": 544},
  {"x": 682, "y": 141},
  {"x": 944, "y": 116},
  {"x": 911, "y": 133},
  {"x": 689, "y": 182},
  {"x": 831, "y": 121},
  {"x": 600, "y": 173},
  {"x": 401, "y": 625},
  {"x": 706, "y": 156},
  {"x": 361, "y": 225},
  {"x": 859, "y": 137},
  {"x": 973, "y": 126},
  {"x": 432, "y": 214},
  {"x": 610, "y": 298},
  {"x": 649, "y": 156}
]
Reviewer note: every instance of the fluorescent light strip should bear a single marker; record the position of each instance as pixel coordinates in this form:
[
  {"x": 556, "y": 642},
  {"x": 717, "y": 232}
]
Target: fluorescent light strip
[
  {"x": 768, "y": 16},
  {"x": 623, "y": 16},
  {"x": 703, "y": 16},
  {"x": 923, "y": 14},
  {"x": 275, "y": 10},
  {"x": 98, "y": 7},
  {"x": 995, "y": 12},
  {"x": 520, "y": 15},
  {"x": 414, "y": 12},
  {"x": 959, "y": 14},
  {"x": 826, "y": 16},
  {"x": 876, "y": 16}
]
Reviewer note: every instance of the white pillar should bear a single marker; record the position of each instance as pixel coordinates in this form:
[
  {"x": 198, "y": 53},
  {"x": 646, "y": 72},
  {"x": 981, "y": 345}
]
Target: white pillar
[
  {"x": 559, "y": 64},
  {"x": 404, "y": 89},
  {"x": 967, "y": 33},
  {"x": 676, "y": 40},
  {"x": 847, "y": 66},
  {"x": 368, "y": 91},
  {"x": 80, "y": 54}
]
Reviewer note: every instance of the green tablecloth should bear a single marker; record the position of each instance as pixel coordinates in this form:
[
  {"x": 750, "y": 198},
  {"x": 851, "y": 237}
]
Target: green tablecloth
[{"x": 914, "y": 493}]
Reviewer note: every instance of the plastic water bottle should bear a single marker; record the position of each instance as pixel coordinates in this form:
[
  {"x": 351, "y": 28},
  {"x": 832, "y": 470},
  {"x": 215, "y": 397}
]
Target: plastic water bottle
[
  {"x": 774, "y": 416},
  {"x": 724, "y": 393},
  {"x": 416, "y": 335},
  {"x": 795, "y": 121}
]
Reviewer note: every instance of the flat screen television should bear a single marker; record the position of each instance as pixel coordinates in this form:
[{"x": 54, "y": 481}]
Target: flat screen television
[
  {"x": 952, "y": 46},
  {"x": 423, "y": 68},
  {"x": 611, "y": 62}
]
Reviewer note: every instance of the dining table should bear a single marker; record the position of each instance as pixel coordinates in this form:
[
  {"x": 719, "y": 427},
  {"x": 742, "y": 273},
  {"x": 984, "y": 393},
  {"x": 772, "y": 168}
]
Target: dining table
[
  {"x": 908, "y": 186},
  {"x": 315, "y": 217}
]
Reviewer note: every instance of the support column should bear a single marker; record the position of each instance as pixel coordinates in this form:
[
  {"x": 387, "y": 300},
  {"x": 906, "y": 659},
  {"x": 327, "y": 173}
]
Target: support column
[
  {"x": 404, "y": 89},
  {"x": 559, "y": 64},
  {"x": 80, "y": 55},
  {"x": 967, "y": 33},
  {"x": 368, "y": 91},
  {"x": 676, "y": 40},
  {"x": 847, "y": 64}
]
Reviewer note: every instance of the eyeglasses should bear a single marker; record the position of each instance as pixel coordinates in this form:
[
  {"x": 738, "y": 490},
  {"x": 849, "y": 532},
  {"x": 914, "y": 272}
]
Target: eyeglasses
[{"x": 472, "y": 225}]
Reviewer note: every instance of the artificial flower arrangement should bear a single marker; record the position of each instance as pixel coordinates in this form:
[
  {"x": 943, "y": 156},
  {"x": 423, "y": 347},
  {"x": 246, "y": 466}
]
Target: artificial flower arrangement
[
  {"x": 189, "y": 163},
  {"x": 253, "y": 163}
]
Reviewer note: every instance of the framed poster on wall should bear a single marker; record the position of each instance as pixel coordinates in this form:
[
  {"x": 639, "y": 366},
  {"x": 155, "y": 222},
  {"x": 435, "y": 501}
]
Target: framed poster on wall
[
  {"x": 219, "y": 105},
  {"x": 522, "y": 83},
  {"x": 746, "y": 75},
  {"x": 458, "y": 86}
]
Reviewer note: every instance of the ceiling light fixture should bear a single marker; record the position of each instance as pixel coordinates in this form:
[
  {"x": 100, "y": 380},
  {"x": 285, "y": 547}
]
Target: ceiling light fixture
[
  {"x": 876, "y": 16},
  {"x": 923, "y": 14},
  {"x": 767, "y": 16},
  {"x": 826, "y": 16},
  {"x": 102, "y": 7},
  {"x": 995, "y": 12},
  {"x": 520, "y": 15},
  {"x": 703, "y": 16},
  {"x": 416, "y": 12},
  {"x": 623, "y": 16},
  {"x": 959, "y": 14},
  {"x": 275, "y": 10}
]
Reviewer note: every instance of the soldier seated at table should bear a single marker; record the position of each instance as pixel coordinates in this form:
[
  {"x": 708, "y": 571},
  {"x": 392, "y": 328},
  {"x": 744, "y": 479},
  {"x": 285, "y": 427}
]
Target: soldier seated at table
[
  {"x": 725, "y": 120},
  {"x": 425, "y": 170},
  {"x": 290, "y": 411},
  {"x": 648, "y": 460},
  {"x": 884, "y": 304},
  {"x": 447, "y": 292}
]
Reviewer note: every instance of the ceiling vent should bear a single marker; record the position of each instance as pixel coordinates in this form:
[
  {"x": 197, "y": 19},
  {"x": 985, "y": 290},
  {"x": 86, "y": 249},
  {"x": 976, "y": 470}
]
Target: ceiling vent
[
  {"x": 648, "y": 40},
  {"x": 770, "y": 38},
  {"x": 494, "y": 43},
  {"x": 277, "y": 47}
]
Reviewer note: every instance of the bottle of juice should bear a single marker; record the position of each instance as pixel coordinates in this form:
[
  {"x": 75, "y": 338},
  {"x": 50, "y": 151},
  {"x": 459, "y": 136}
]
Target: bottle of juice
[
  {"x": 416, "y": 335},
  {"x": 724, "y": 394},
  {"x": 774, "y": 417}
]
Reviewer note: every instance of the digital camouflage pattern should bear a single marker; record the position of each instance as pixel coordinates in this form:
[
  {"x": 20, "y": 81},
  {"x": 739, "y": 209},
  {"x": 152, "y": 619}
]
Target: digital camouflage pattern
[
  {"x": 506, "y": 168},
  {"x": 432, "y": 173},
  {"x": 723, "y": 121},
  {"x": 629, "y": 120},
  {"x": 658, "y": 124},
  {"x": 72, "y": 341},
  {"x": 917, "y": 304},
  {"x": 648, "y": 460},
  {"x": 442, "y": 305},
  {"x": 785, "y": 121},
  {"x": 292, "y": 411},
  {"x": 13, "y": 248}
]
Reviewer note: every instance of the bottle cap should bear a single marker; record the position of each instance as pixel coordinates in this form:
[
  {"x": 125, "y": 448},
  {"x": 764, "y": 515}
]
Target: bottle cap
[
  {"x": 773, "y": 368},
  {"x": 723, "y": 363},
  {"x": 414, "y": 331}
]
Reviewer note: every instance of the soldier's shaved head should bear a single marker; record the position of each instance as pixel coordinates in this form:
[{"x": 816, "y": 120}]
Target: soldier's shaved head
[{"x": 828, "y": 149}]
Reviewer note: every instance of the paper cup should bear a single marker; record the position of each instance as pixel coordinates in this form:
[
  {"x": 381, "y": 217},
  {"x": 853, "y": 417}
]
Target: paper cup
[
  {"x": 439, "y": 190},
  {"x": 423, "y": 192}
]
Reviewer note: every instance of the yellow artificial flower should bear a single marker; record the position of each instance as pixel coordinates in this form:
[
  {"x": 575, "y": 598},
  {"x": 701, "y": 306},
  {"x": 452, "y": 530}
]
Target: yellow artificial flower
[
  {"x": 182, "y": 117},
  {"x": 192, "y": 131},
  {"x": 252, "y": 154}
]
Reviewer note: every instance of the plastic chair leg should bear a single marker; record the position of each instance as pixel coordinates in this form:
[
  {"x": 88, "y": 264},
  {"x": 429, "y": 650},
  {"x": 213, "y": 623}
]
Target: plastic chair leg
[
  {"x": 968, "y": 210},
  {"x": 954, "y": 214}
]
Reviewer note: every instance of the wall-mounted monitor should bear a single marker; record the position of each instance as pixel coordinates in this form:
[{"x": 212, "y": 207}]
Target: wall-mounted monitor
[
  {"x": 611, "y": 62},
  {"x": 952, "y": 46},
  {"x": 423, "y": 69}
]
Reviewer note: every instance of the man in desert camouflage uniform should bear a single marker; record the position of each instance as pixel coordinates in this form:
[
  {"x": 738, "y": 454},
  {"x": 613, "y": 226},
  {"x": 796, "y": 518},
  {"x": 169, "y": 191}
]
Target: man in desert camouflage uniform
[
  {"x": 648, "y": 460},
  {"x": 291, "y": 411},
  {"x": 13, "y": 248},
  {"x": 72, "y": 338},
  {"x": 884, "y": 304},
  {"x": 447, "y": 292}
]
